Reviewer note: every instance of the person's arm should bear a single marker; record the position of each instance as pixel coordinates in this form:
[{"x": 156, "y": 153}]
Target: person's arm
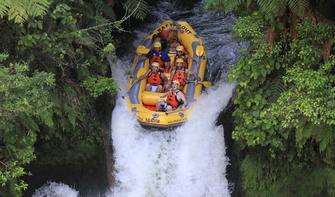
[
  {"x": 172, "y": 73},
  {"x": 183, "y": 99},
  {"x": 164, "y": 95},
  {"x": 165, "y": 79},
  {"x": 189, "y": 73}
]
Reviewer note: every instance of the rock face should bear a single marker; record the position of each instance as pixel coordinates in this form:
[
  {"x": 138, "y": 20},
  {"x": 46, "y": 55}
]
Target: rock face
[
  {"x": 110, "y": 102},
  {"x": 106, "y": 104}
]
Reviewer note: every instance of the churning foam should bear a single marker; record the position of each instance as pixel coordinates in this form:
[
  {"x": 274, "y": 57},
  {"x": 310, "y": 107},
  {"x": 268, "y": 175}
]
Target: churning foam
[
  {"x": 52, "y": 189},
  {"x": 189, "y": 161}
]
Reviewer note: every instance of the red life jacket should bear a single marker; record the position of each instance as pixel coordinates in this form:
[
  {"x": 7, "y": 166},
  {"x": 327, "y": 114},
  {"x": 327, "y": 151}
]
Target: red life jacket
[
  {"x": 164, "y": 34},
  {"x": 172, "y": 99},
  {"x": 157, "y": 58},
  {"x": 155, "y": 79},
  {"x": 180, "y": 76}
]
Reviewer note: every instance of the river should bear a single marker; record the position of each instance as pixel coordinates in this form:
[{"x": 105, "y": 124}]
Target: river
[{"x": 191, "y": 160}]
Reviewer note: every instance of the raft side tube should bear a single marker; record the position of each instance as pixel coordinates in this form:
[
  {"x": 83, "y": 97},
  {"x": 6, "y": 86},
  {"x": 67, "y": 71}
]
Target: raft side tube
[{"x": 134, "y": 90}]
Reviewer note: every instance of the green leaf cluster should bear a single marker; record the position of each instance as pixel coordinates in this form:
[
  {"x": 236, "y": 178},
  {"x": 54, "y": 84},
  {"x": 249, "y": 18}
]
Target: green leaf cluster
[
  {"x": 25, "y": 105},
  {"x": 21, "y": 10},
  {"x": 250, "y": 27},
  {"x": 285, "y": 112},
  {"x": 97, "y": 86},
  {"x": 269, "y": 8},
  {"x": 53, "y": 68}
]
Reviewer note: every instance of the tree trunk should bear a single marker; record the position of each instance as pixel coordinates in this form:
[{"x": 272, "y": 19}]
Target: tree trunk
[
  {"x": 110, "y": 2},
  {"x": 271, "y": 36},
  {"x": 293, "y": 26},
  {"x": 326, "y": 49}
]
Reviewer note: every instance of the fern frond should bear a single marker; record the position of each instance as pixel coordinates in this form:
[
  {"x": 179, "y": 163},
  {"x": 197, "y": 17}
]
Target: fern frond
[
  {"x": 20, "y": 10},
  {"x": 4, "y": 6},
  {"x": 139, "y": 8},
  {"x": 36, "y": 7},
  {"x": 270, "y": 7},
  {"x": 298, "y": 7},
  {"x": 276, "y": 86},
  {"x": 17, "y": 11},
  {"x": 232, "y": 5}
]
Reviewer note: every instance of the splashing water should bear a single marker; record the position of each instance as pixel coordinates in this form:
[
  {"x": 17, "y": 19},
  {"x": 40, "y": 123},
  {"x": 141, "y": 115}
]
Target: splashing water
[
  {"x": 189, "y": 161},
  {"x": 53, "y": 189}
]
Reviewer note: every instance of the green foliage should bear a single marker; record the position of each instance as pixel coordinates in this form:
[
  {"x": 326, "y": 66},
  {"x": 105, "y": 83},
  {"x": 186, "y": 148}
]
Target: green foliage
[
  {"x": 259, "y": 179},
  {"x": 138, "y": 8},
  {"x": 270, "y": 8},
  {"x": 21, "y": 10},
  {"x": 97, "y": 86},
  {"x": 285, "y": 112},
  {"x": 24, "y": 105},
  {"x": 46, "y": 114},
  {"x": 250, "y": 27},
  {"x": 109, "y": 51}
]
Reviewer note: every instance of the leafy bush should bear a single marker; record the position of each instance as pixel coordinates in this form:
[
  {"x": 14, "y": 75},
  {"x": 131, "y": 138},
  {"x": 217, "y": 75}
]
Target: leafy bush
[
  {"x": 45, "y": 113},
  {"x": 285, "y": 112},
  {"x": 97, "y": 86},
  {"x": 250, "y": 27}
]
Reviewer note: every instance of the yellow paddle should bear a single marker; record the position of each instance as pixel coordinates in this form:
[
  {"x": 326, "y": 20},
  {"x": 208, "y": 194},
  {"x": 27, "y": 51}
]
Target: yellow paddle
[
  {"x": 140, "y": 72},
  {"x": 200, "y": 50},
  {"x": 206, "y": 84},
  {"x": 141, "y": 50}
]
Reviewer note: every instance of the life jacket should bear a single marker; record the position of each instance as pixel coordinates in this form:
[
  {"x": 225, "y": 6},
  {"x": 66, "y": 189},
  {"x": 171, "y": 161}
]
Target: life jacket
[
  {"x": 185, "y": 65},
  {"x": 164, "y": 34},
  {"x": 172, "y": 99},
  {"x": 180, "y": 76},
  {"x": 155, "y": 79},
  {"x": 157, "y": 58}
]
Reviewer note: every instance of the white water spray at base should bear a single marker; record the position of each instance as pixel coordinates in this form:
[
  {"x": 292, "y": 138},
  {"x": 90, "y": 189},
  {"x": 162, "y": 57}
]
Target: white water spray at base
[
  {"x": 189, "y": 161},
  {"x": 53, "y": 189}
]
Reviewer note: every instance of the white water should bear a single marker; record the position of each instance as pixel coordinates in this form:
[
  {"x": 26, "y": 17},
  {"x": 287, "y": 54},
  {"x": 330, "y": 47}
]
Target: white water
[
  {"x": 189, "y": 161},
  {"x": 53, "y": 189}
]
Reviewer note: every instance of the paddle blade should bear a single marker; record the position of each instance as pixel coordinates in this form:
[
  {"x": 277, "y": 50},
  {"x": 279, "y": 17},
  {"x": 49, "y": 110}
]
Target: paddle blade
[
  {"x": 200, "y": 50},
  {"x": 141, "y": 72},
  {"x": 141, "y": 50},
  {"x": 206, "y": 84}
]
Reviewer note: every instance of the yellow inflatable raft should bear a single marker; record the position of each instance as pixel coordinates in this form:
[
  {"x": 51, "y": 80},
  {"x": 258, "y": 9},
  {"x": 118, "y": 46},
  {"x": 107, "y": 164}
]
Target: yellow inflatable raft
[{"x": 143, "y": 102}]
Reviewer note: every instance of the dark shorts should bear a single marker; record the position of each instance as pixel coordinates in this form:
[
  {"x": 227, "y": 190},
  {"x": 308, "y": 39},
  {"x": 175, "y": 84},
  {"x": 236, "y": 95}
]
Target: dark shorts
[{"x": 163, "y": 106}]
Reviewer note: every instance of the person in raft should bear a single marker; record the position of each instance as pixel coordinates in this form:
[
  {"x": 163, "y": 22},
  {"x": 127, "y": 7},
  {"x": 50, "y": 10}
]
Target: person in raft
[
  {"x": 155, "y": 78},
  {"x": 158, "y": 38},
  {"x": 158, "y": 55},
  {"x": 181, "y": 73},
  {"x": 174, "y": 99},
  {"x": 181, "y": 53}
]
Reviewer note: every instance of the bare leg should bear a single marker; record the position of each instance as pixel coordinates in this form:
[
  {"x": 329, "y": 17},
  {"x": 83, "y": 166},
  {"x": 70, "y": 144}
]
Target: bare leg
[
  {"x": 160, "y": 88},
  {"x": 169, "y": 108},
  {"x": 158, "y": 105}
]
